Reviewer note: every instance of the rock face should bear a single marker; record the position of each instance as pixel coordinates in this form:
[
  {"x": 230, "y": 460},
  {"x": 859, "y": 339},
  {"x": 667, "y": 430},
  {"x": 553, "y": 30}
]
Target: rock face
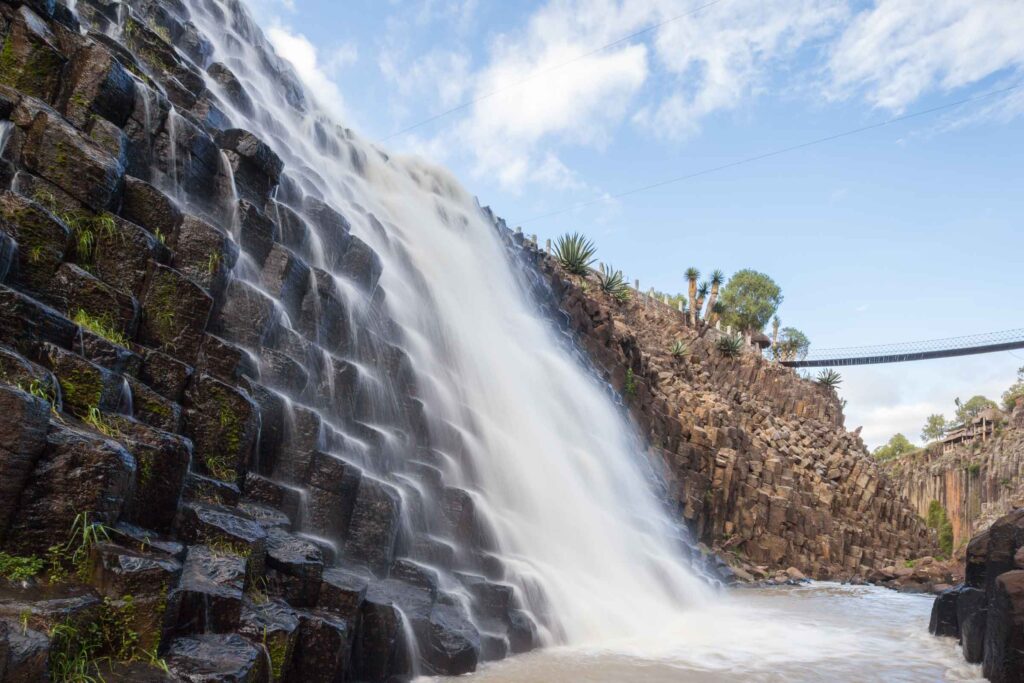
[
  {"x": 975, "y": 482},
  {"x": 986, "y": 613},
  {"x": 758, "y": 462},
  {"x": 208, "y": 425}
]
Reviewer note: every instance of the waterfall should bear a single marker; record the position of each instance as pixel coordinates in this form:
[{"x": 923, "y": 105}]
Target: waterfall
[{"x": 515, "y": 421}]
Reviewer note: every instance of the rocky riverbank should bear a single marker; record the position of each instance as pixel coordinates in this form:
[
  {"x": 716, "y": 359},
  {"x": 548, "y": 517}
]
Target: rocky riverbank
[{"x": 757, "y": 460}]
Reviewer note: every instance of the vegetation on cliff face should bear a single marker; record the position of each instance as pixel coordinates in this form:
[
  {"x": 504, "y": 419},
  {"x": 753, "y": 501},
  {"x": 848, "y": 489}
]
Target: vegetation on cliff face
[
  {"x": 898, "y": 445},
  {"x": 1015, "y": 392},
  {"x": 938, "y": 519},
  {"x": 750, "y": 299}
]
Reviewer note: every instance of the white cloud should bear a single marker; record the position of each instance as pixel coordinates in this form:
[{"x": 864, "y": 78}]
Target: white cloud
[
  {"x": 319, "y": 75},
  {"x": 899, "y": 50}
]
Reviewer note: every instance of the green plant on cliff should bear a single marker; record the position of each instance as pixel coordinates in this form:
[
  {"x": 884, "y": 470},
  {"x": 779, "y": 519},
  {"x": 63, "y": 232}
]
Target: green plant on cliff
[
  {"x": 938, "y": 519},
  {"x": 79, "y": 650},
  {"x": 898, "y": 445},
  {"x": 630, "y": 386},
  {"x": 975, "y": 406},
  {"x": 730, "y": 345},
  {"x": 101, "y": 325},
  {"x": 791, "y": 344},
  {"x": 612, "y": 282},
  {"x": 94, "y": 418},
  {"x": 74, "y": 553},
  {"x": 717, "y": 278},
  {"x": 750, "y": 299},
  {"x": 17, "y": 568},
  {"x": 575, "y": 252},
  {"x": 934, "y": 427},
  {"x": 679, "y": 349},
  {"x": 829, "y": 378},
  {"x": 1015, "y": 392}
]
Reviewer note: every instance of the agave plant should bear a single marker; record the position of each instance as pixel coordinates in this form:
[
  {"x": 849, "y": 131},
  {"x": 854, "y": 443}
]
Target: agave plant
[
  {"x": 730, "y": 345},
  {"x": 679, "y": 349},
  {"x": 612, "y": 282},
  {"x": 575, "y": 252},
  {"x": 829, "y": 378}
]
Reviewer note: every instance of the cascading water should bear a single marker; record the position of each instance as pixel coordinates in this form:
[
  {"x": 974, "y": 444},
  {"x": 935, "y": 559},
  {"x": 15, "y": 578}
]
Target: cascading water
[{"x": 513, "y": 418}]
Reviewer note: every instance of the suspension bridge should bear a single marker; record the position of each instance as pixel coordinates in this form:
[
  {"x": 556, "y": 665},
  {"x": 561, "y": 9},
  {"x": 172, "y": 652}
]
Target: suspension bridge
[{"x": 952, "y": 347}]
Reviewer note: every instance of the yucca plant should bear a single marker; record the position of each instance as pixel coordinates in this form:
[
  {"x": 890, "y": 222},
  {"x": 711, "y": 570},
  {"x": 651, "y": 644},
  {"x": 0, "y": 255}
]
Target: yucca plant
[
  {"x": 679, "y": 349},
  {"x": 702, "y": 293},
  {"x": 717, "y": 278},
  {"x": 691, "y": 275},
  {"x": 575, "y": 252},
  {"x": 730, "y": 345},
  {"x": 612, "y": 282},
  {"x": 829, "y": 378}
]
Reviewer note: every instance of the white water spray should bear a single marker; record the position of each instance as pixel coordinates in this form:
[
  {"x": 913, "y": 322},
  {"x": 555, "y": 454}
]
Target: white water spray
[{"x": 548, "y": 454}]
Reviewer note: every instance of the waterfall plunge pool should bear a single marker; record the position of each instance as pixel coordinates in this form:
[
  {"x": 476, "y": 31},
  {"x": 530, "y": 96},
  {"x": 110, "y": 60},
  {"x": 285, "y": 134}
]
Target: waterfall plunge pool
[{"x": 817, "y": 632}]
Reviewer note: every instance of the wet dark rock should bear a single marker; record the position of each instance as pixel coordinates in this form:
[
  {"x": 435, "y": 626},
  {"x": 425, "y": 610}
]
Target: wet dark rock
[
  {"x": 280, "y": 371},
  {"x": 96, "y": 83},
  {"x": 450, "y": 644},
  {"x": 72, "y": 289},
  {"x": 107, "y": 354},
  {"x": 380, "y": 649},
  {"x": 181, "y": 80},
  {"x": 465, "y": 525},
  {"x": 58, "y": 153},
  {"x": 77, "y": 472},
  {"x": 266, "y": 517},
  {"x": 162, "y": 462},
  {"x": 276, "y": 495},
  {"x": 24, "y": 421},
  {"x": 971, "y": 614},
  {"x": 298, "y": 565},
  {"x": 1004, "y": 630},
  {"x": 301, "y": 438},
  {"x": 168, "y": 376},
  {"x": 224, "y": 528},
  {"x": 374, "y": 526},
  {"x": 522, "y": 632},
  {"x": 175, "y": 312},
  {"x": 153, "y": 409},
  {"x": 119, "y": 571},
  {"x": 342, "y": 592},
  {"x": 208, "y": 598},
  {"x": 42, "y": 240},
  {"x": 323, "y": 316},
  {"x": 257, "y": 233},
  {"x": 25, "y": 321},
  {"x": 226, "y": 361},
  {"x": 8, "y": 254},
  {"x": 286, "y": 277},
  {"x": 223, "y": 423},
  {"x": 84, "y": 385},
  {"x": 323, "y": 650},
  {"x": 275, "y": 626},
  {"x": 255, "y": 166},
  {"x": 213, "y": 658},
  {"x": 32, "y": 61},
  {"x": 133, "y": 672},
  {"x": 202, "y": 489},
  {"x": 26, "y": 653},
  {"x": 232, "y": 88},
  {"x": 123, "y": 254},
  {"x": 150, "y": 208},
  {"x": 146, "y": 541},
  {"x": 361, "y": 264},
  {"x": 204, "y": 254},
  {"x": 415, "y": 574},
  {"x": 333, "y": 229},
  {"x": 1005, "y": 536},
  {"x": 247, "y": 315},
  {"x": 944, "y": 617}
]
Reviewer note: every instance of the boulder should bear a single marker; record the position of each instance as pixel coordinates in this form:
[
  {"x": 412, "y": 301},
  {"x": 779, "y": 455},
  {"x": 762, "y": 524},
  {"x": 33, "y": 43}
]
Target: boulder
[
  {"x": 324, "y": 648},
  {"x": 211, "y": 657},
  {"x": 226, "y": 531},
  {"x": 374, "y": 526},
  {"x": 223, "y": 423},
  {"x": 247, "y": 316},
  {"x": 226, "y": 361},
  {"x": 361, "y": 264},
  {"x": 297, "y": 565},
  {"x": 96, "y": 83},
  {"x": 380, "y": 649},
  {"x": 78, "y": 472},
  {"x": 256, "y": 168},
  {"x": 231, "y": 88},
  {"x": 163, "y": 459},
  {"x": 449, "y": 643},
  {"x": 83, "y": 296},
  {"x": 56, "y": 152},
  {"x": 1004, "y": 629},
  {"x": 31, "y": 60},
  {"x": 26, "y": 653},
  {"x": 24, "y": 322},
  {"x": 84, "y": 386},
  {"x": 175, "y": 311},
  {"x": 204, "y": 254},
  {"x": 153, "y": 409},
  {"x": 324, "y": 317},
  {"x": 123, "y": 255},
  {"x": 203, "y": 489},
  {"x": 151, "y": 209},
  {"x": 971, "y": 616},
  {"x": 24, "y": 421},
  {"x": 42, "y": 240},
  {"x": 208, "y": 597},
  {"x": 168, "y": 376},
  {"x": 342, "y": 592},
  {"x": 275, "y": 626},
  {"x": 286, "y": 277}
]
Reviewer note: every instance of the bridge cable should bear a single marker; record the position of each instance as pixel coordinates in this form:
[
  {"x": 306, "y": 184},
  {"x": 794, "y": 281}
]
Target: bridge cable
[{"x": 773, "y": 153}]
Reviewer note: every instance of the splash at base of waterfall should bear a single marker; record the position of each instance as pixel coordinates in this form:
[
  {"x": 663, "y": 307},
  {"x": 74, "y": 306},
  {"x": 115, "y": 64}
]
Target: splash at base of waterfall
[{"x": 808, "y": 633}]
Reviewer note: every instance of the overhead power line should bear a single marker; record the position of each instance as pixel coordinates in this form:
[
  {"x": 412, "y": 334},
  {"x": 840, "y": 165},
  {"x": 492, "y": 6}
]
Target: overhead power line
[
  {"x": 773, "y": 153},
  {"x": 547, "y": 70}
]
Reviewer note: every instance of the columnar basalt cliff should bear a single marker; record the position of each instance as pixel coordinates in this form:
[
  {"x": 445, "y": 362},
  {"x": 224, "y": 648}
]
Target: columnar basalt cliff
[
  {"x": 757, "y": 460},
  {"x": 975, "y": 482},
  {"x": 208, "y": 425}
]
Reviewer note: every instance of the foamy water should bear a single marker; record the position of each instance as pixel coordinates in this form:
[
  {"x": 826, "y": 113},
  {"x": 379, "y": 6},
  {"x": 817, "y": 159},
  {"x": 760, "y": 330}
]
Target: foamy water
[{"x": 821, "y": 632}]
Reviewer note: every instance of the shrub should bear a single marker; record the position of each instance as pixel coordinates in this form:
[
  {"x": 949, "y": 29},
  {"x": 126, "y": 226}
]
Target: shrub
[
  {"x": 829, "y": 378},
  {"x": 730, "y": 345},
  {"x": 16, "y": 568},
  {"x": 575, "y": 252},
  {"x": 612, "y": 282},
  {"x": 679, "y": 349}
]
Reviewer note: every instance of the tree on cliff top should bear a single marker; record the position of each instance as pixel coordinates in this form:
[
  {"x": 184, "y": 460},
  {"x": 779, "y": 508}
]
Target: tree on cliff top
[
  {"x": 976, "y": 405},
  {"x": 1016, "y": 391},
  {"x": 750, "y": 299},
  {"x": 792, "y": 344},
  {"x": 934, "y": 428},
  {"x": 897, "y": 446}
]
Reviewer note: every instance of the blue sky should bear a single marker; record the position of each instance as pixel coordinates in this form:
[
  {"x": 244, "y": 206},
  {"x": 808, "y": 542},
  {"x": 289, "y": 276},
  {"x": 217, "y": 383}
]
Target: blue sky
[{"x": 912, "y": 231}]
